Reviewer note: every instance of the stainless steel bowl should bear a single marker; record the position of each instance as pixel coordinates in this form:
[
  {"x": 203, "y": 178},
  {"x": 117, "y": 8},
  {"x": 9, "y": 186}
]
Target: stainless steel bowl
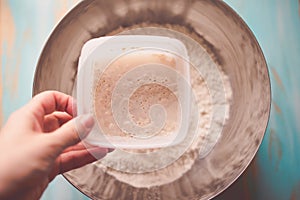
[{"x": 232, "y": 45}]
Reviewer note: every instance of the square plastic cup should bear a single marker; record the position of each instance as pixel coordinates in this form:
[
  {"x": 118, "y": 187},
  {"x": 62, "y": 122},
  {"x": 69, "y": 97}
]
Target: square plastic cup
[{"x": 138, "y": 89}]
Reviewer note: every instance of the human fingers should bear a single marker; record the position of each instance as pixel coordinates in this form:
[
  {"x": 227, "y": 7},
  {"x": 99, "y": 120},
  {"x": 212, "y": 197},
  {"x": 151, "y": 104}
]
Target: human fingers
[
  {"x": 77, "y": 147},
  {"x": 47, "y": 102},
  {"x": 75, "y": 159},
  {"x": 72, "y": 132},
  {"x": 55, "y": 120},
  {"x": 81, "y": 146}
]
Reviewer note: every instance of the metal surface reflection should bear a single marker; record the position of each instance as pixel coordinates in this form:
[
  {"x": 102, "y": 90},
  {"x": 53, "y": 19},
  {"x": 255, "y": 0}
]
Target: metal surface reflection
[{"x": 225, "y": 37}]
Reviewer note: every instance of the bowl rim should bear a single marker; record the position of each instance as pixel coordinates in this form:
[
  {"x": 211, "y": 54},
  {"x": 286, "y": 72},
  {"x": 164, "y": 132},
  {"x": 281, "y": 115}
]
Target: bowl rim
[{"x": 224, "y": 6}]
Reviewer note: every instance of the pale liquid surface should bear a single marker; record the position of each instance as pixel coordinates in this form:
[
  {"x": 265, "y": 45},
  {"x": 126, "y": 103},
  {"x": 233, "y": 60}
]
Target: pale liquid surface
[{"x": 140, "y": 100}]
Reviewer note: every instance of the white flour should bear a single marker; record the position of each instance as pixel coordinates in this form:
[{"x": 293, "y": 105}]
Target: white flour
[{"x": 212, "y": 94}]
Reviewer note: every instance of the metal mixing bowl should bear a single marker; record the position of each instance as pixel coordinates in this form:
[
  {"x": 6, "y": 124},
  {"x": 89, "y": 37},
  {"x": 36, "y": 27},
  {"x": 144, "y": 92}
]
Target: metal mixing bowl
[{"x": 224, "y": 35}]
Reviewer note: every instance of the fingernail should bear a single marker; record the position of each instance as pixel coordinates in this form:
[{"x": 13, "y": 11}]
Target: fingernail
[
  {"x": 74, "y": 108},
  {"x": 110, "y": 150},
  {"x": 98, "y": 153},
  {"x": 84, "y": 125},
  {"x": 87, "y": 121}
]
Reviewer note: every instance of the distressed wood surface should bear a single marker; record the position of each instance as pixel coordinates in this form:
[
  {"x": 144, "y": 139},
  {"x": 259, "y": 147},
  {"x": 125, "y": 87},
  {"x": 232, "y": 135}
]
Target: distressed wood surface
[{"x": 274, "y": 173}]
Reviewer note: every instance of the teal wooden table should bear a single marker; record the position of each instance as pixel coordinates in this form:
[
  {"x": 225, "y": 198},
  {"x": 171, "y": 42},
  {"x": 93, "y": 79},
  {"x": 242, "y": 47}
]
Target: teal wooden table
[{"x": 275, "y": 171}]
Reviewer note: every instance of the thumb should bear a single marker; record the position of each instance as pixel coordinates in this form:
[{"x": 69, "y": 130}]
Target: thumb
[{"x": 74, "y": 131}]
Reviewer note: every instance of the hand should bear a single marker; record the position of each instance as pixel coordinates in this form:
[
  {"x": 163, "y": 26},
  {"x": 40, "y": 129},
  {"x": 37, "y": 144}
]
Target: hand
[{"x": 40, "y": 141}]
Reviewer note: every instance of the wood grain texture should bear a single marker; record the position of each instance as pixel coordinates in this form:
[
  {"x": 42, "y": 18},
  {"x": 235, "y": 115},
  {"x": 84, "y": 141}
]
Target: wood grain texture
[
  {"x": 275, "y": 23},
  {"x": 231, "y": 44},
  {"x": 7, "y": 40}
]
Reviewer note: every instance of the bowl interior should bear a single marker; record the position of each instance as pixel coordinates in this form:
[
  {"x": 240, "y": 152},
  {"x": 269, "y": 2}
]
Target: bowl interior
[{"x": 229, "y": 42}]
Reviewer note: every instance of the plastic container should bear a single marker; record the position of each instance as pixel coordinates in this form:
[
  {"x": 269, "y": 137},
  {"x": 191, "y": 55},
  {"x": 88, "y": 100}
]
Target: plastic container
[{"x": 137, "y": 87}]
